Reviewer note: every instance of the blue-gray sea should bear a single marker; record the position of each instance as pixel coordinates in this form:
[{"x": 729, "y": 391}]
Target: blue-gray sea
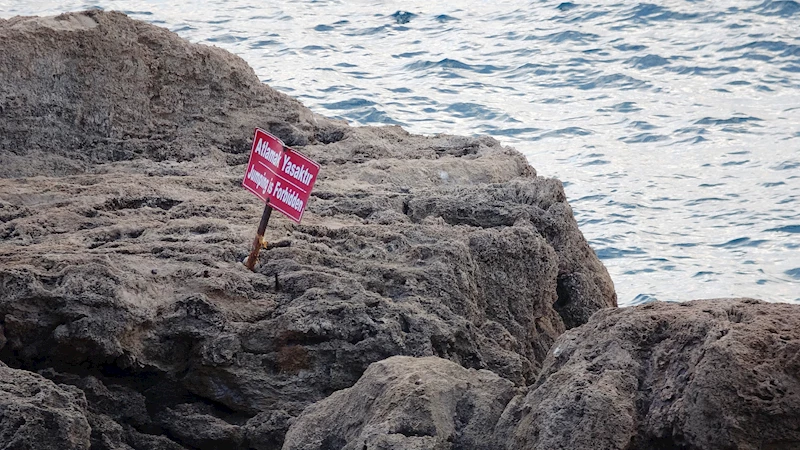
[{"x": 675, "y": 126}]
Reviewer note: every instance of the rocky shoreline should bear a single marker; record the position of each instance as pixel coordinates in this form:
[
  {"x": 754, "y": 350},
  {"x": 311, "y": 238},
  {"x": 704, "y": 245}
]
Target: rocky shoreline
[{"x": 438, "y": 294}]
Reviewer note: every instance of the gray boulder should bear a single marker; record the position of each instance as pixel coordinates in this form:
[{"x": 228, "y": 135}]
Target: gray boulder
[
  {"x": 707, "y": 374},
  {"x": 36, "y": 413},
  {"x": 406, "y": 403}
]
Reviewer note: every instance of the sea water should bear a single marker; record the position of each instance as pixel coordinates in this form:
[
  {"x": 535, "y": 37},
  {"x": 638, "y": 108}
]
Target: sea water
[{"x": 674, "y": 125}]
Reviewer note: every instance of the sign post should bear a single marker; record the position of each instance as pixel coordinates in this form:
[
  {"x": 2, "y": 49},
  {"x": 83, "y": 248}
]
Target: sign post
[
  {"x": 259, "y": 240},
  {"x": 281, "y": 177}
]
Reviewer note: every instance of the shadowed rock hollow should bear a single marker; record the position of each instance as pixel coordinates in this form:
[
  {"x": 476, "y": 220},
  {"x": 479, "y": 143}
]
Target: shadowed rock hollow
[{"x": 123, "y": 225}]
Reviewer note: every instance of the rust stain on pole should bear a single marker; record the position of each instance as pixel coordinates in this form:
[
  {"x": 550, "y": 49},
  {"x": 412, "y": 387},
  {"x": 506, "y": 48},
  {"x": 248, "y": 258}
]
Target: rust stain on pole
[{"x": 259, "y": 240}]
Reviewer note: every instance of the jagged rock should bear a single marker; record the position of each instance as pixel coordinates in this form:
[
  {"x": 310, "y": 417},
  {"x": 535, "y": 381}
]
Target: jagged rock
[
  {"x": 142, "y": 441},
  {"x": 123, "y": 262},
  {"x": 406, "y": 403},
  {"x": 707, "y": 374},
  {"x": 81, "y": 89},
  {"x": 195, "y": 425},
  {"x": 121, "y": 403},
  {"x": 36, "y": 413},
  {"x": 265, "y": 431}
]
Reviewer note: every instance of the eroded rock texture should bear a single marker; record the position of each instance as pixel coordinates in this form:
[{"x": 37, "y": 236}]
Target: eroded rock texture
[
  {"x": 95, "y": 87},
  {"x": 36, "y": 413},
  {"x": 407, "y": 403},
  {"x": 121, "y": 270},
  {"x": 708, "y": 374}
]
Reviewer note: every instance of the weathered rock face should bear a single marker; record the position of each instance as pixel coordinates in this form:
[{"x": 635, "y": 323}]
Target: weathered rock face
[
  {"x": 81, "y": 89},
  {"x": 407, "y": 403},
  {"x": 123, "y": 263},
  {"x": 708, "y": 374},
  {"x": 35, "y": 413}
]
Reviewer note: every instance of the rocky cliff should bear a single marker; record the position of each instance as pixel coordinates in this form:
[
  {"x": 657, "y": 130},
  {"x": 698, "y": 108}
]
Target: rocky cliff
[
  {"x": 123, "y": 225},
  {"x": 708, "y": 374}
]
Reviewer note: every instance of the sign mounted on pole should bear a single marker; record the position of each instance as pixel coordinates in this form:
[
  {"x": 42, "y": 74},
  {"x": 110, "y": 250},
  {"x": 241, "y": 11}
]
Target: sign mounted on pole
[{"x": 279, "y": 175}]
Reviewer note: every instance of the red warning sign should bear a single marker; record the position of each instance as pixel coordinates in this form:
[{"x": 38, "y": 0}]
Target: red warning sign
[{"x": 280, "y": 175}]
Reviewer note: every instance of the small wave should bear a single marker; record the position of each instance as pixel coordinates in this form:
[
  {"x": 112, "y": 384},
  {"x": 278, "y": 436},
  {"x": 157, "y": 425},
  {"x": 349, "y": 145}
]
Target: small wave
[
  {"x": 635, "y": 271},
  {"x": 641, "y": 299},
  {"x": 368, "y": 31},
  {"x": 596, "y": 162},
  {"x": 642, "y": 125},
  {"x": 642, "y": 138},
  {"x": 264, "y": 43},
  {"x": 514, "y": 131},
  {"x": 474, "y": 110},
  {"x": 714, "y": 72},
  {"x": 794, "y": 273},
  {"x": 226, "y": 39},
  {"x": 622, "y": 82},
  {"x": 692, "y": 140},
  {"x": 704, "y": 200},
  {"x": 624, "y": 107},
  {"x": 778, "y": 8},
  {"x": 648, "y": 61},
  {"x": 565, "y": 36},
  {"x": 754, "y": 56},
  {"x": 787, "y": 165},
  {"x": 735, "y": 163},
  {"x": 448, "y": 63},
  {"x": 704, "y": 273},
  {"x": 647, "y": 12},
  {"x": 534, "y": 69},
  {"x": 787, "y": 229},
  {"x": 741, "y": 242},
  {"x": 784, "y": 49},
  {"x": 630, "y": 48},
  {"x": 445, "y": 18},
  {"x": 409, "y": 54},
  {"x": 613, "y": 252},
  {"x": 691, "y": 130},
  {"x": 729, "y": 121},
  {"x": 563, "y": 132}
]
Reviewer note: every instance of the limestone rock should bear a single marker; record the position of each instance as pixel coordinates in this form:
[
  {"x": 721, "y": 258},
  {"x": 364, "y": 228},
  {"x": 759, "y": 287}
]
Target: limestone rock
[
  {"x": 707, "y": 374},
  {"x": 123, "y": 257},
  {"x": 93, "y": 87},
  {"x": 406, "y": 403},
  {"x": 36, "y": 413}
]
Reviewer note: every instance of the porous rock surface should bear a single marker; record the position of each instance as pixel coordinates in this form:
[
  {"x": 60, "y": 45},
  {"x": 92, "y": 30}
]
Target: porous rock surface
[
  {"x": 708, "y": 374},
  {"x": 406, "y": 403},
  {"x": 123, "y": 226},
  {"x": 36, "y": 413}
]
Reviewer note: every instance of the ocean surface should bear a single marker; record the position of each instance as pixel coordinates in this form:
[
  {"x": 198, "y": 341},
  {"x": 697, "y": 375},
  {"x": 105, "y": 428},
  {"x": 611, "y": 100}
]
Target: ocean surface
[{"x": 675, "y": 126}]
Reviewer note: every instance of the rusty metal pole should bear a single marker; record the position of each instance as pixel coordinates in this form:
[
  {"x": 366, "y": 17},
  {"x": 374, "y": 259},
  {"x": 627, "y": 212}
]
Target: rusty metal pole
[{"x": 259, "y": 240}]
